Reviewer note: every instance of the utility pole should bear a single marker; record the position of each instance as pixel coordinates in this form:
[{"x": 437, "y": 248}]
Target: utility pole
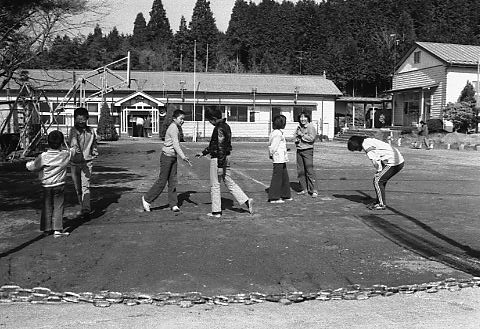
[{"x": 477, "y": 104}]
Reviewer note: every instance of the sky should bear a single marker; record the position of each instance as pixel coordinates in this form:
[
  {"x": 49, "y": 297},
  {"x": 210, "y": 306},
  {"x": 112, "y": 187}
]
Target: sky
[{"x": 122, "y": 13}]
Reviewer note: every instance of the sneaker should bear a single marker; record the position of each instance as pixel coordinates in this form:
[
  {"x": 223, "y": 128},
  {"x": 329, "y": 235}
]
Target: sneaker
[
  {"x": 277, "y": 201},
  {"x": 250, "y": 205},
  {"x": 215, "y": 214},
  {"x": 175, "y": 209},
  {"x": 302, "y": 192},
  {"x": 146, "y": 205},
  {"x": 287, "y": 199},
  {"x": 379, "y": 206},
  {"x": 58, "y": 234},
  {"x": 314, "y": 194}
]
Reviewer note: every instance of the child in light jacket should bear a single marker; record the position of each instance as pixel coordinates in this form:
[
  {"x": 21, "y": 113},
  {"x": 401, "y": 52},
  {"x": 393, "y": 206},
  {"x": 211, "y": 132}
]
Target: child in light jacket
[
  {"x": 52, "y": 168},
  {"x": 280, "y": 184}
]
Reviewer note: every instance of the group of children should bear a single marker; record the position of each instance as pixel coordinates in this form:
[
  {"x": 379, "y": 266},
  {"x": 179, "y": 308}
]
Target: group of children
[
  {"x": 52, "y": 165},
  {"x": 82, "y": 149},
  {"x": 386, "y": 159}
]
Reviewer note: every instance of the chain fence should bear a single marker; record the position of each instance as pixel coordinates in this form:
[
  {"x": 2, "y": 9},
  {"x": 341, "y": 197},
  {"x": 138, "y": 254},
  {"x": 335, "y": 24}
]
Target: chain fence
[{"x": 41, "y": 295}]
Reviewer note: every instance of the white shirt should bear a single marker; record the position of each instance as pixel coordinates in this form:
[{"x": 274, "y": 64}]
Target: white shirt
[
  {"x": 381, "y": 153},
  {"x": 140, "y": 121}
]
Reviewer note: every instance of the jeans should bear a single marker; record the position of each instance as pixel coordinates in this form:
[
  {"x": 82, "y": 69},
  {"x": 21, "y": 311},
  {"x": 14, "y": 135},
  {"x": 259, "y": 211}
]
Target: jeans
[
  {"x": 52, "y": 211},
  {"x": 81, "y": 174},
  {"x": 223, "y": 174},
  {"x": 280, "y": 183},
  {"x": 168, "y": 173},
  {"x": 380, "y": 180},
  {"x": 306, "y": 174}
]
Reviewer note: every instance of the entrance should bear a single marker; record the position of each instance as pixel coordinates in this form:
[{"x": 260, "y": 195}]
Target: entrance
[{"x": 140, "y": 122}]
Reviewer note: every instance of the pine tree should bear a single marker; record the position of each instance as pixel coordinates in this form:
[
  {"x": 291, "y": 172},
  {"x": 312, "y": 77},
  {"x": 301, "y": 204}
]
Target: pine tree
[
  {"x": 183, "y": 48},
  {"x": 106, "y": 128},
  {"x": 139, "y": 35},
  {"x": 204, "y": 30},
  {"x": 158, "y": 27}
]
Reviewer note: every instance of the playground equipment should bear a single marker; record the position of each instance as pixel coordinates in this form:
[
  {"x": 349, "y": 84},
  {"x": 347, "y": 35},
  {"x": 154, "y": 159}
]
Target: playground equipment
[{"x": 23, "y": 129}]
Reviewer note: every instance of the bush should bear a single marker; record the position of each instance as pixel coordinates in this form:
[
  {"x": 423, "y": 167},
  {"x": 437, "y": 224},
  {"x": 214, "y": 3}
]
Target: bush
[
  {"x": 435, "y": 125},
  {"x": 461, "y": 114},
  {"x": 106, "y": 127}
]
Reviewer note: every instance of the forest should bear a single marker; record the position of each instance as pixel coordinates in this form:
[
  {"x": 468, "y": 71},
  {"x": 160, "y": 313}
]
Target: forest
[{"x": 356, "y": 43}]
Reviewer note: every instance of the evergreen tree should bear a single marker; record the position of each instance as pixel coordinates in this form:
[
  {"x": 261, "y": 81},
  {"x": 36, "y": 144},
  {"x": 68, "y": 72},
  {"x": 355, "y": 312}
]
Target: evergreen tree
[
  {"x": 158, "y": 27},
  {"x": 106, "y": 130},
  {"x": 95, "y": 49},
  {"x": 204, "y": 31},
  {"x": 183, "y": 48},
  {"x": 139, "y": 35},
  {"x": 468, "y": 94}
]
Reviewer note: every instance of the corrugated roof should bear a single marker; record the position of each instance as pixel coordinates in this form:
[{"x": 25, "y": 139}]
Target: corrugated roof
[
  {"x": 206, "y": 82},
  {"x": 453, "y": 53}
]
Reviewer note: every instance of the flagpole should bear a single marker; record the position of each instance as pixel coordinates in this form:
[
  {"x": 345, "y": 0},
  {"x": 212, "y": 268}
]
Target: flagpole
[{"x": 194, "y": 89}]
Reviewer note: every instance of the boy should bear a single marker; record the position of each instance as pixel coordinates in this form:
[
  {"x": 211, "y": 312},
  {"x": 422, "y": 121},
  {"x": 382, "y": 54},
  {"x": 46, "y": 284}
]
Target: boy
[
  {"x": 168, "y": 165},
  {"x": 386, "y": 159},
  {"x": 84, "y": 141},
  {"x": 52, "y": 167},
  {"x": 219, "y": 149}
]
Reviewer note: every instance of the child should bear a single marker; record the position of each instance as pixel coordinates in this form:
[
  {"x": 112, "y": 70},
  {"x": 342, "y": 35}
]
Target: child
[
  {"x": 219, "y": 149},
  {"x": 168, "y": 165},
  {"x": 84, "y": 141},
  {"x": 280, "y": 184},
  {"x": 386, "y": 159},
  {"x": 304, "y": 139},
  {"x": 422, "y": 136},
  {"x": 52, "y": 167}
]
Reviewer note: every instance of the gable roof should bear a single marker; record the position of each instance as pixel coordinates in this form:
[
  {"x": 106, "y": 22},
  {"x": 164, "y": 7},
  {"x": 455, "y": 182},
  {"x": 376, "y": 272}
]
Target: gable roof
[
  {"x": 159, "y": 81},
  {"x": 453, "y": 54},
  {"x": 141, "y": 94}
]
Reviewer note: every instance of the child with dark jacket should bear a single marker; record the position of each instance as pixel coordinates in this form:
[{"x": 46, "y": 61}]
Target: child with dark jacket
[
  {"x": 52, "y": 168},
  {"x": 219, "y": 148}
]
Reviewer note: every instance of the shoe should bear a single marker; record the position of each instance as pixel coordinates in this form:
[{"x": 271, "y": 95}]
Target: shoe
[
  {"x": 277, "y": 201},
  {"x": 314, "y": 194},
  {"x": 379, "y": 206},
  {"x": 175, "y": 209},
  {"x": 58, "y": 234},
  {"x": 287, "y": 199},
  {"x": 215, "y": 214},
  {"x": 302, "y": 192},
  {"x": 250, "y": 205},
  {"x": 146, "y": 205}
]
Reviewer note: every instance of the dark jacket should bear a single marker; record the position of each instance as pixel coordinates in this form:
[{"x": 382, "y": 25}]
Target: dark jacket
[{"x": 220, "y": 144}]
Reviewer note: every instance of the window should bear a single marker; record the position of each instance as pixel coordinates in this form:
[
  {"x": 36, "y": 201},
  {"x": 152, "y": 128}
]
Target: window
[
  {"x": 92, "y": 107},
  {"x": 237, "y": 113},
  {"x": 93, "y": 119},
  {"x": 416, "y": 57},
  {"x": 59, "y": 119},
  {"x": 276, "y": 111}
]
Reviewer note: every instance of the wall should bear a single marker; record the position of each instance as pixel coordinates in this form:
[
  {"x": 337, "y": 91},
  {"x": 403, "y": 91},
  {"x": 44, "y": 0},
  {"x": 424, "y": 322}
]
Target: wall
[{"x": 457, "y": 79}]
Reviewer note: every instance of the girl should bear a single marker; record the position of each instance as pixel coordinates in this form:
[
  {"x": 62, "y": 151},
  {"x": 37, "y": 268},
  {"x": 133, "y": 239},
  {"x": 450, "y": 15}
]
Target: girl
[
  {"x": 280, "y": 185},
  {"x": 168, "y": 165},
  {"x": 304, "y": 138},
  {"x": 386, "y": 159}
]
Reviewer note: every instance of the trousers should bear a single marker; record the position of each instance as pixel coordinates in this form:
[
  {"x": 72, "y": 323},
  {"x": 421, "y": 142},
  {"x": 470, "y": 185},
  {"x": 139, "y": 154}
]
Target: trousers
[{"x": 218, "y": 175}]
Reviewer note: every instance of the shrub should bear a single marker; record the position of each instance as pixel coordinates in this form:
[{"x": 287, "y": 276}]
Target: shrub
[
  {"x": 106, "y": 127},
  {"x": 460, "y": 114},
  {"x": 435, "y": 125}
]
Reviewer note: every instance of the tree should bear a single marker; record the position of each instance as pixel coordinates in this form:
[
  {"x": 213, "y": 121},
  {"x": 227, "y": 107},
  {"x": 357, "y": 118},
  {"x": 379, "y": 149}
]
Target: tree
[
  {"x": 468, "y": 94},
  {"x": 461, "y": 114},
  {"x": 27, "y": 26},
  {"x": 106, "y": 130},
  {"x": 139, "y": 36},
  {"x": 158, "y": 27},
  {"x": 183, "y": 50},
  {"x": 204, "y": 30}
]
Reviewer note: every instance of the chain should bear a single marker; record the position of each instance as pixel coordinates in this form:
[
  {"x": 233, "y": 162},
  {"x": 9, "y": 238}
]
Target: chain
[{"x": 41, "y": 295}]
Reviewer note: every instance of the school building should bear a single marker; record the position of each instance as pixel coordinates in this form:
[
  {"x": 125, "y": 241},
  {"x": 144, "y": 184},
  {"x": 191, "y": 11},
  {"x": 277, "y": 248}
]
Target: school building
[{"x": 248, "y": 101}]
